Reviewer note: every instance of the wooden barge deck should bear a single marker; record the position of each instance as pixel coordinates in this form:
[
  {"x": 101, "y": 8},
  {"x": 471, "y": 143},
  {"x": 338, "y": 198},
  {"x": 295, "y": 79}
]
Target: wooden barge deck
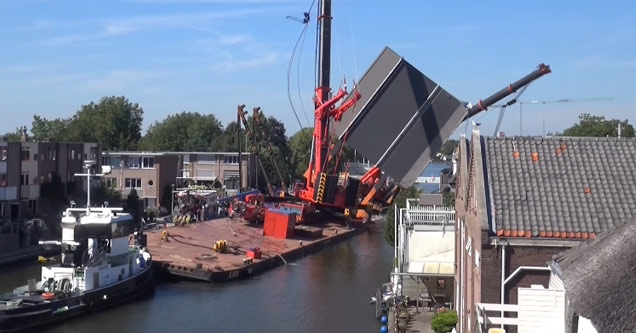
[{"x": 189, "y": 252}]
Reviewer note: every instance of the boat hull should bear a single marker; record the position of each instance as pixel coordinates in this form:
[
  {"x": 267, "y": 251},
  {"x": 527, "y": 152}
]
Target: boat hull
[{"x": 56, "y": 311}]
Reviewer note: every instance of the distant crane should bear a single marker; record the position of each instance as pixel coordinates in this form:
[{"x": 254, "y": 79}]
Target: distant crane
[{"x": 521, "y": 103}]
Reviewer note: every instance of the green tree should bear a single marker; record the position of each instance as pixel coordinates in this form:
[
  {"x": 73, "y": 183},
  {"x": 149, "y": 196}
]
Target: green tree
[
  {"x": 133, "y": 205},
  {"x": 13, "y": 136},
  {"x": 300, "y": 146},
  {"x": 590, "y": 125},
  {"x": 448, "y": 148},
  {"x": 448, "y": 199},
  {"x": 228, "y": 140},
  {"x": 272, "y": 130},
  {"x": 185, "y": 131},
  {"x": 444, "y": 322},
  {"x": 400, "y": 200},
  {"x": 102, "y": 193},
  {"x": 49, "y": 130},
  {"x": 114, "y": 122}
]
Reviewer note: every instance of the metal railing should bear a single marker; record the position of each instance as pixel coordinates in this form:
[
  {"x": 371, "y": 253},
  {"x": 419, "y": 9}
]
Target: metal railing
[{"x": 429, "y": 215}]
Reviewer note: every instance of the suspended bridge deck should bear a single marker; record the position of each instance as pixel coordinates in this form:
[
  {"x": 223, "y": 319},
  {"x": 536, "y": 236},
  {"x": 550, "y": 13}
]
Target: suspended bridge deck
[{"x": 189, "y": 251}]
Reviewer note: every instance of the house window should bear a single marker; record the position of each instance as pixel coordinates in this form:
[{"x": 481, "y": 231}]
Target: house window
[
  {"x": 93, "y": 153},
  {"x": 231, "y": 159},
  {"x": 3, "y": 182},
  {"x": 134, "y": 162},
  {"x": 476, "y": 258},
  {"x": 25, "y": 154},
  {"x": 35, "y": 156},
  {"x": 469, "y": 247},
  {"x": 148, "y": 162},
  {"x": 24, "y": 179},
  {"x": 111, "y": 182},
  {"x": 3, "y": 153},
  {"x": 133, "y": 182},
  {"x": 73, "y": 154},
  {"x": 52, "y": 154}
]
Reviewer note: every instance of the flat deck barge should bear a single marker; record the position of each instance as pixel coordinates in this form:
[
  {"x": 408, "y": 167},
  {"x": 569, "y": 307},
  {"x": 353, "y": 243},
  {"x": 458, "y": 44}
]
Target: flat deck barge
[{"x": 189, "y": 251}]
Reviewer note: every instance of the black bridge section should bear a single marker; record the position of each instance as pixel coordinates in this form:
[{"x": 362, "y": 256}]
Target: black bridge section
[{"x": 402, "y": 119}]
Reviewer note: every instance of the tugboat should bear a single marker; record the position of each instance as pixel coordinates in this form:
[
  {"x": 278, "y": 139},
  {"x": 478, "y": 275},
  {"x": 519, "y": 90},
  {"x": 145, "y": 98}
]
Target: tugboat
[{"x": 104, "y": 262}]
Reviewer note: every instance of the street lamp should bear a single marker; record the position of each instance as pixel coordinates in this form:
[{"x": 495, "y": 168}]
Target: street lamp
[{"x": 172, "y": 202}]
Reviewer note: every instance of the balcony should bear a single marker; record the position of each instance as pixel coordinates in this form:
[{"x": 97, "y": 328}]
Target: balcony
[
  {"x": 539, "y": 310},
  {"x": 429, "y": 217}
]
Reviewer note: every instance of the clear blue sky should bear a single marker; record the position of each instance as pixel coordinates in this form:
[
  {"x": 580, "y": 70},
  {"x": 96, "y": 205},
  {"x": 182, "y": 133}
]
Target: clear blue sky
[{"x": 209, "y": 56}]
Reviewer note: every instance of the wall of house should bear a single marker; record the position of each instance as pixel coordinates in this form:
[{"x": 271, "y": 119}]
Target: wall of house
[
  {"x": 147, "y": 177},
  {"x": 10, "y": 166},
  {"x": 167, "y": 173}
]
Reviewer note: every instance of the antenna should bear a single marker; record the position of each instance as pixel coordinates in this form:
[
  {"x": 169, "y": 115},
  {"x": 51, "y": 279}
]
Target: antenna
[{"x": 87, "y": 165}]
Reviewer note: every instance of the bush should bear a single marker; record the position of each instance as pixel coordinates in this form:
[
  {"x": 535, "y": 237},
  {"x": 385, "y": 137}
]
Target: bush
[{"x": 444, "y": 322}]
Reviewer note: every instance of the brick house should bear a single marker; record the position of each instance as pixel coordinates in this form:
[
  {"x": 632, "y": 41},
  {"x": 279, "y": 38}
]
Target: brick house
[
  {"x": 151, "y": 174},
  {"x": 520, "y": 201}
]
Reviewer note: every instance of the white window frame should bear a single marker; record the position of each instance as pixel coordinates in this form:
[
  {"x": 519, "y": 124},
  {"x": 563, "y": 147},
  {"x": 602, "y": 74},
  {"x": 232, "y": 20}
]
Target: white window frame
[
  {"x": 231, "y": 159},
  {"x": 128, "y": 183},
  {"x": 146, "y": 162},
  {"x": 136, "y": 164}
]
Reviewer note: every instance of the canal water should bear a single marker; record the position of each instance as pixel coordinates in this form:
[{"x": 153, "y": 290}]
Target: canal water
[{"x": 328, "y": 291}]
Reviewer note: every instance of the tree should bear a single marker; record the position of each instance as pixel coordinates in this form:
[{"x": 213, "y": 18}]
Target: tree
[
  {"x": 300, "y": 146},
  {"x": 102, "y": 193},
  {"x": 448, "y": 148},
  {"x": 400, "y": 200},
  {"x": 228, "y": 140},
  {"x": 133, "y": 205},
  {"x": 185, "y": 131},
  {"x": 49, "y": 130},
  {"x": 590, "y": 125},
  {"x": 114, "y": 122},
  {"x": 444, "y": 321},
  {"x": 448, "y": 199},
  {"x": 13, "y": 136},
  {"x": 272, "y": 130}
]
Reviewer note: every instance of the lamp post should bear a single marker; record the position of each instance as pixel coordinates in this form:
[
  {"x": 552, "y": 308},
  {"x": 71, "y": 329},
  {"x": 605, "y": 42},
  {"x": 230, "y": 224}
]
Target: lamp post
[{"x": 172, "y": 202}]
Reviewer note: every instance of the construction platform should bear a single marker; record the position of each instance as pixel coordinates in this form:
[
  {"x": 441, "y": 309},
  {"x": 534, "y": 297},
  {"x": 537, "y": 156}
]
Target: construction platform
[{"x": 189, "y": 251}]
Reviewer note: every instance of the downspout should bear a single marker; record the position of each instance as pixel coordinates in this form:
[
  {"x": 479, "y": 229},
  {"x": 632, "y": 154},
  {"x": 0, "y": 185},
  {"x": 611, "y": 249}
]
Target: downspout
[
  {"x": 503, "y": 279},
  {"x": 461, "y": 278}
]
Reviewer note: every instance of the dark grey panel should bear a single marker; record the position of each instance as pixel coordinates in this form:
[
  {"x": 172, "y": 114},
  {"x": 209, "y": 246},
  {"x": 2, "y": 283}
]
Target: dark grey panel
[
  {"x": 371, "y": 81},
  {"x": 403, "y": 120}
]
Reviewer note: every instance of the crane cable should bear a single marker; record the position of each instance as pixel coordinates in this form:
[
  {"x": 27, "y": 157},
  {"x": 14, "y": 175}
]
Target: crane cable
[{"x": 305, "y": 22}]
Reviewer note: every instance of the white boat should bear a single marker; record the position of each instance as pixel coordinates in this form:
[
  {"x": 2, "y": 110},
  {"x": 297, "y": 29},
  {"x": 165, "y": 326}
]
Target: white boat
[{"x": 104, "y": 263}]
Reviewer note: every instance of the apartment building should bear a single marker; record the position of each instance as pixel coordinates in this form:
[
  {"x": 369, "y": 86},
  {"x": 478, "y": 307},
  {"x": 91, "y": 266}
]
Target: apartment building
[
  {"x": 150, "y": 174},
  {"x": 28, "y": 168},
  {"x": 206, "y": 167},
  {"x": 9, "y": 180}
]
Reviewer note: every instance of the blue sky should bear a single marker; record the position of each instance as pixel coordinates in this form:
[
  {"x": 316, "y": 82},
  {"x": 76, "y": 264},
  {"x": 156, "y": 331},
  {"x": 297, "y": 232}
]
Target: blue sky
[{"x": 209, "y": 56}]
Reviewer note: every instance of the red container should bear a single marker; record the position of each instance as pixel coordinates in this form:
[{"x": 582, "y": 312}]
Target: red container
[{"x": 279, "y": 223}]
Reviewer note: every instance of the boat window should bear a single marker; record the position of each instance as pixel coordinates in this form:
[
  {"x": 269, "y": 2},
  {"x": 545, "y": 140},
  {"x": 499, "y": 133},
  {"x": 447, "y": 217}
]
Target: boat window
[{"x": 123, "y": 228}]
